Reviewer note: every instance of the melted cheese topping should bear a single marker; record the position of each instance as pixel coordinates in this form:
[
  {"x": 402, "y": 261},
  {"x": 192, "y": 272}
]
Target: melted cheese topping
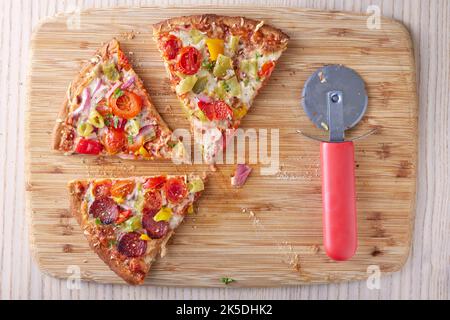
[{"x": 248, "y": 85}]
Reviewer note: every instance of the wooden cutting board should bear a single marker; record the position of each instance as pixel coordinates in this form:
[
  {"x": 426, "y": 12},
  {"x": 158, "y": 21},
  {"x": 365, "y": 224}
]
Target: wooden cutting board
[{"x": 269, "y": 233}]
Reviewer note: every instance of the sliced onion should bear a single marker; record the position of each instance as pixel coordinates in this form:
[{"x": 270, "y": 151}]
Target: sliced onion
[
  {"x": 145, "y": 131},
  {"x": 97, "y": 86},
  {"x": 241, "y": 175},
  {"x": 128, "y": 84},
  {"x": 204, "y": 98},
  {"x": 85, "y": 103},
  {"x": 113, "y": 89},
  {"x": 140, "y": 139}
]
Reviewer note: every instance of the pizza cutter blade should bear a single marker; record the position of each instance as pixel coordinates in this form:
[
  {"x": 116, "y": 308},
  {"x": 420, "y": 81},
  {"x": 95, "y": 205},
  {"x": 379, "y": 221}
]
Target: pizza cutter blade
[{"x": 335, "y": 99}]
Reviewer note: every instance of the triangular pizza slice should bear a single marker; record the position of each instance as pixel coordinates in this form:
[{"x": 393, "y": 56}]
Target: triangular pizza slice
[
  {"x": 107, "y": 111},
  {"x": 217, "y": 65},
  {"x": 128, "y": 222}
]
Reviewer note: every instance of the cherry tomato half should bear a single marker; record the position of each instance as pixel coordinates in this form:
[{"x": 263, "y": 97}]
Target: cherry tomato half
[
  {"x": 114, "y": 140},
  {"x": 266, "y": 69},
  {"x": 171, "y": 47},
  {"x": 86, "y": 146},
  {"x": 102, "y": 189},
  {"x": 222, "y": 110},
  {"x": 123, "y": 61},
  {"x": 176, "y": 190},
  {"x": 218, "y": 110},
  {"x": 189, "y": 60},
  {"x": 155, "y": 183},
  {"x": 120, "y": 189},
  {"x": 126, "y": 106},
  {"x": 124, "y": 216}
]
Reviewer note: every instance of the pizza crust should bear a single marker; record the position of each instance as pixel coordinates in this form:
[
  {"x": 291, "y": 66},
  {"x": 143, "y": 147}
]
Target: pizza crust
[{"x": 208, "y": 21}]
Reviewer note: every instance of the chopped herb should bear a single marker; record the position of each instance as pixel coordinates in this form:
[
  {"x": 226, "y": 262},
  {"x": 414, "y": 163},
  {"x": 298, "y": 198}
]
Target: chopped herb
[
  {"x": 112, "y": 243},
  {"x": 226, "y": 86},
  {"x": 208, "y": 65},
  {"x": 130, "y": 139},
  {"x": 116, "y": 122},
  {"x": 98, "y": 221},
  {"x": 227, "y": 280},
  {"x": 246, "y": 81},
  {"x": 258, "y": 55},
  {"x": 108, "y": 118},
  {"x": 118, "y": 93}
]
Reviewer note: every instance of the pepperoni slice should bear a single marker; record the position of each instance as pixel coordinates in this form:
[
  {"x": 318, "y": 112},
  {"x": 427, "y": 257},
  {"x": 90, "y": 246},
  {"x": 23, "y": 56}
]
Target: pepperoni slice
[
  {"x": 176, "y": 190},
  {"x": 131, "y": 245},
  {"x": 155, "y": 230},
  {"x": 153, "y": 200},
  {"x": 105, "y": 209}
]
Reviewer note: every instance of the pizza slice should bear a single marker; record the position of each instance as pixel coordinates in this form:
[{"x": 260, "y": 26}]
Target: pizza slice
[
  {"x": 217, "y": 65},
  {"x": 128, "y": 222},
  {"x": 107, "y": 111}
]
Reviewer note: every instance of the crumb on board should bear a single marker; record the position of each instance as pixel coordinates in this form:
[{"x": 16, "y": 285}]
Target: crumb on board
[{"x": 130, "y": 35}]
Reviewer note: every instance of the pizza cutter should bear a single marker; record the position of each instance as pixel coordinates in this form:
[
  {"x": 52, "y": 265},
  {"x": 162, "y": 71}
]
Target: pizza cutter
[{"x": 335, "y": 99}]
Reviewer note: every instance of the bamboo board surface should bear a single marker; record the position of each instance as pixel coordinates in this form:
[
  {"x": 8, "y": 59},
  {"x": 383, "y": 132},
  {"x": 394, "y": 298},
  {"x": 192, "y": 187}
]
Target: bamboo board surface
[{"x": 281, "y": 243}]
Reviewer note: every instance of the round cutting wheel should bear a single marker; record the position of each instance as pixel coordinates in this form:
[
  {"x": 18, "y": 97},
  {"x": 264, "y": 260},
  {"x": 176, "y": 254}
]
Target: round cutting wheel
[{"x": 335, "y": 78}]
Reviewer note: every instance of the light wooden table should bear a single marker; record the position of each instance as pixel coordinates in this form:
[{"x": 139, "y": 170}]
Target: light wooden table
[{"x": 425, "y": 275}]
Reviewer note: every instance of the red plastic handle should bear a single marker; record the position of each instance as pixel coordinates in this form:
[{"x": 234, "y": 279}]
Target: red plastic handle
[{"x": 339, "y": 200}]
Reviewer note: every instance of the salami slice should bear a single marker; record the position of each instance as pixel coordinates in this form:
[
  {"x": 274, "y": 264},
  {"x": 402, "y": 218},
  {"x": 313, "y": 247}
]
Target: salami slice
[
  {"x": 131, "y": 245},
  {"x": 155, "y": 230},
  {"x": 105, "y": 209},
  {"x": 176, "y": 190},
  {"x": 153, "y": 200}
]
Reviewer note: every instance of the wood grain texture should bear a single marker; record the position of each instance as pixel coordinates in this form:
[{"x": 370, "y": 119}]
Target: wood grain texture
[
  {"x": 426, "y": 274},
  {"x": 282, "y": 243}
]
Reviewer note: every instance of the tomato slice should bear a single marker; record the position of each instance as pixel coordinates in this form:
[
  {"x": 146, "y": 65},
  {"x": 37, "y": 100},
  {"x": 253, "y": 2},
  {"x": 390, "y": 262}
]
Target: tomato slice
[
  {"x": 126, "y": 106},
  {"x": 266, "y": 69},
  {"x": 176, "y": 190},
  {"x": 222, "y": 111},
  {"x": 218, "y": 110},
  {"x": 189, "y": 60},
  {"x": 102, "y": 190},
  {"x": 171, "y": 47},
  {"x": 114, "y": 140},
  {"x": 155, "y": 183},
  {"x": 120, "y": 189},
  {"x": 86, "y": 146},
  {"x": 123, "y": 61},
  {"x": 124, "y": 216},
  {"x": 103, "y": 108}
]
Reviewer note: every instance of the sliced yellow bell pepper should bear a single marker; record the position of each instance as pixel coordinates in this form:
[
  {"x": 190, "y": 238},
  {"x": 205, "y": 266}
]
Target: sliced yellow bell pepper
[
  {"x": 240, "y": 112},
  {"x": 190, "y": 209},
  {"x": 215, "y": 47},
  {"x": 119, "y": 200},
  {"x": 143, "y": 152},
  {"x": 163, "y": 215},
  {"x": 145, "y": 237}
]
